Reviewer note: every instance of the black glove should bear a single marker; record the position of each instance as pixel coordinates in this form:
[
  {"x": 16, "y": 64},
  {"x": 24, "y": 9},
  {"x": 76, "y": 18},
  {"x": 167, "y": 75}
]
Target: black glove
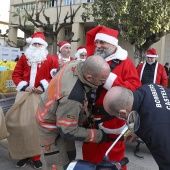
[{"x": 105, "y": 137}]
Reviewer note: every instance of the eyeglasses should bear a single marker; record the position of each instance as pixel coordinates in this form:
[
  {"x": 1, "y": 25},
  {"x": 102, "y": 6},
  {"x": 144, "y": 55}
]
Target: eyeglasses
[
  {"x": 37, "y": 44},
  {"x": 100, "y": 42},
  {"x": 83, "y": 55}
]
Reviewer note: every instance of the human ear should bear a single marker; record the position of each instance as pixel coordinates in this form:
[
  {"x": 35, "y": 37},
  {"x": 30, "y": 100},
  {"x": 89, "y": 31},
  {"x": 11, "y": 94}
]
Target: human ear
[
  {"x": 123, "y": 113},
  {"x": 89, "y": 78}
]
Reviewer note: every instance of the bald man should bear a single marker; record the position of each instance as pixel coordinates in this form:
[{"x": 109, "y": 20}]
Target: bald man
[
  {"x": 152, "y": 102},
  {"x": 61, "y": 110}
]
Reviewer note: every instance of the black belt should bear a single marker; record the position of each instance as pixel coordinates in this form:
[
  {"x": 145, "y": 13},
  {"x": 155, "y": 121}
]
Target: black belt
[
  {"x": 113, "y": 139},
  {"x": 98, "y": 110}
]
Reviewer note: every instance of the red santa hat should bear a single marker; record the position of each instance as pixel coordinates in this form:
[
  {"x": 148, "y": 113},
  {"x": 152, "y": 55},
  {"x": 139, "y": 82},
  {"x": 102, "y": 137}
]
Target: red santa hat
[
  {"x": 151, "y": 53},
  {"x": 37, "y": 37},
  {"x": 80, "y": 50},
  {"x": 100, "y": 33},
  {"x": 62, "y": 44}
]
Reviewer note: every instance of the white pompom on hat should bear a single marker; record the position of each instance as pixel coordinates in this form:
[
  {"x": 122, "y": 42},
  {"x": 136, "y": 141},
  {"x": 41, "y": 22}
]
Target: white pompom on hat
[
  {"x": 37, "y": 37},
  {"x": 151, "y": 53}
]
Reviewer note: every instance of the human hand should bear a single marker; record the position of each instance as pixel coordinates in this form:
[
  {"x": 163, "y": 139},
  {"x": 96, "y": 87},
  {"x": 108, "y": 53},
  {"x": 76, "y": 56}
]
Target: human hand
[
  {"x": 61, "y": 62},
  {"x": 131, "y": 137},
  {"x": 30, "y": 89},
  {"x": 38, "y": 90}
]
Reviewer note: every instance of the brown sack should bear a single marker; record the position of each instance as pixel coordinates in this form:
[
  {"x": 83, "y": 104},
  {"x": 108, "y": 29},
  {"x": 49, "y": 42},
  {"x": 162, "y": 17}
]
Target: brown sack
[
  {"x": 24, "y": 139},
  {"x": 3, "y": 130}
]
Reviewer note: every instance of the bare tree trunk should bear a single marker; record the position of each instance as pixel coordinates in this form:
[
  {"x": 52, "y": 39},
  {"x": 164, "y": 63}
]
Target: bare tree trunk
[
  {"x": 139, "y": 54},
  {"x": 55, "y": 45}
]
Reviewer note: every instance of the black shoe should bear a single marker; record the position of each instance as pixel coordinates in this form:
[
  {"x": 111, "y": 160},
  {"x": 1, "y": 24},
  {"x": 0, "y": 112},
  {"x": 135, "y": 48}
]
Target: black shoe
[
  {"x": 37, "y": 164},
  {"x": 22, "y": 162}
]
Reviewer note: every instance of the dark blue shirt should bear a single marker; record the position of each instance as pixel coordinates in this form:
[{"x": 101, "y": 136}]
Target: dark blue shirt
[{"x": 152, "y": 102}]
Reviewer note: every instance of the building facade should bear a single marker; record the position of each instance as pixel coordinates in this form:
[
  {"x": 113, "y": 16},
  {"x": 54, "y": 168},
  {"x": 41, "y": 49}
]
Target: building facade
[{"x": 79, "y": 27}]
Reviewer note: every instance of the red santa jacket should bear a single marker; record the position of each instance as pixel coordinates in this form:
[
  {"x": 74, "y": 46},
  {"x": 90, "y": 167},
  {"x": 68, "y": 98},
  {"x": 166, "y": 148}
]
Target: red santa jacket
[
  {"x": 24, "y": 74},
  {"x": 160, "y": 76},
  {"x": 124, "y": 75}
]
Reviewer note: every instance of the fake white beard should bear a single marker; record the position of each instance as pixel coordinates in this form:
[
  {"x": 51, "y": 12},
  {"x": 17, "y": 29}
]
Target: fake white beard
[
  {"x": 104, "y": 53},
  {"x": 80, "y": 59},
  {"x": 36, "y": 55}
]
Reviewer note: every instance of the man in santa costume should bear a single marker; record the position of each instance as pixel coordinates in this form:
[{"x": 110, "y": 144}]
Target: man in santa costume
[
  {"x": 64, "y": 52},
  {"x": 151, "y": 71},
  {"x": 81, "y": 53},
  {"x": 103, "y": 41},
  {"x": 32, "y": 74}
]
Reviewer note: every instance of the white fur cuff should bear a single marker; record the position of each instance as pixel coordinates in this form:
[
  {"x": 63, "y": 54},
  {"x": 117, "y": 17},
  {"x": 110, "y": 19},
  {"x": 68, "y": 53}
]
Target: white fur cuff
[
  {"x": 110, "y": 80},
  {"x": 53, "y": 72},
  {"x": 44, "y": 83},
  {"x": 21, "y": 85}
]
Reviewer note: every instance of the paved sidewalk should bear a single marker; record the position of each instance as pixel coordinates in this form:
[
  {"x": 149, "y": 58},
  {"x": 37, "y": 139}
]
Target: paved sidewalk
[{"x": 135, "y": 163}]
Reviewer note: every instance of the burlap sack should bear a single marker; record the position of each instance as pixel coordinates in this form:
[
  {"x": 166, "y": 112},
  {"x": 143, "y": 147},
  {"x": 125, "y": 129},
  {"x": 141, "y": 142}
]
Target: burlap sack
[
  {"x": 3, "y": 130},
  {"x": 24, "y": 138}
]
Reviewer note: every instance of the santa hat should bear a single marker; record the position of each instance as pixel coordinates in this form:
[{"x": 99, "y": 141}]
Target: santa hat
[
  {"x": 151, "y": 53},
  {"x": 62, "y": 44},
  {"x": 100, "y": 33},
  {"x": 37, "y": 37},
  {"x": 80, "y": 50}
]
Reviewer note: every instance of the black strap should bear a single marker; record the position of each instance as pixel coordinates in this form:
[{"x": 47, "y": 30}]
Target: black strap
[
  {"x": 99, "y": 110},
  {"x": 104, "y": 119},
  {"x": 114, "y": 64},
  {"x": 113, "y": 139}
]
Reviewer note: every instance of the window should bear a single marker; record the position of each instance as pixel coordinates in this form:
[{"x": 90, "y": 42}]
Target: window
[
  {"x": 85, "y": 1},
  {"x": 30, "y": 6},
  {"x": 66, "y": 32},
  {"x": 21, "y": 8},
  {"x": 67, "y": 2},
  {"x": 48, "y": 4}
]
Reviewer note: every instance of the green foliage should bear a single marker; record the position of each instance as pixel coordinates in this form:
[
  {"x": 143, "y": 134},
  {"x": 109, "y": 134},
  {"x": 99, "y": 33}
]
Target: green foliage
[{"x": 140, "y": 22}]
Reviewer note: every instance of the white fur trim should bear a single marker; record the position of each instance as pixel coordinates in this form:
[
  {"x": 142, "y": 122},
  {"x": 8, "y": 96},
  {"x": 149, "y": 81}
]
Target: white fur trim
[
  {"x": 150, "y": 55},
  {"x": 110, "y": 80},
  {"x": 39, "y": 40},
  {"x": 21, "y": 85},
  {"x": 155, "y": 73},
  {"x": 28, "y": 40},
  {"x": 120, "y": 54},
  {"x": 63, "y": 59},
  {"x": 53, "y": 72},
  {"x": 82, "y": 50},
  {"x": 77, "y": 55},
  {"x": 107, "y": 38},
  {"x": 79, "y": 59},
  {"x": 45, "y": 83},
  {"x": 33, "y": 74},
  {"x": 110, "y": 131},
  {"x": 65, "y": 45},
  {"x": 141, "y": 73}
]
